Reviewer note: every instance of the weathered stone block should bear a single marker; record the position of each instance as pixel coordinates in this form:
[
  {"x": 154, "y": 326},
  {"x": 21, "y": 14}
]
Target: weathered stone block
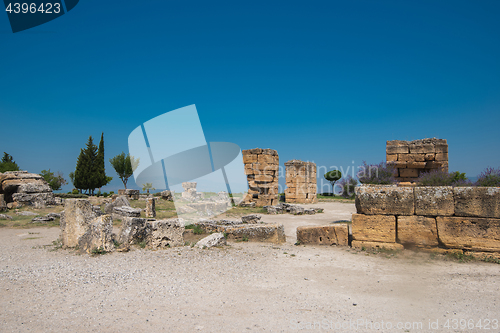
[
  {"x": 477, "y": 201},
  {"x": 215, "y": 239},
  {"x": 132, "y": 230},
  {"x": 374, "y": 228},
  {"x": 384, "y": 200},
  {"x": 125, "y": 211},
  {"x": 430, "y": 157},
  {"x": 118, "y": 202},
  {"x": 416, "y": 165},
  {"x": 274, "y": 233},
  {"x": 434, "y": 200},
  {"x": 164, "y": 233},
  {"x": 417, "y": 231},
  {"x": 3, "y": 204},
  {"x": 471, "y": 233},
  {"x": 150, "y": 208},
  {"x": 397, "y": 149},
  {"x": 336, "y": 234},
  {"x": 263, "y": 178},
  {"x": 78, "y": 215},
  {"x": 408, "y": 173},
  {"x": 441, "y": 148},
  {"x": 441, "y": 157},
  {"x": 99, "y": 235},
  {"x": 249, "y": 158},
  {"x": 376, "y": 245}
]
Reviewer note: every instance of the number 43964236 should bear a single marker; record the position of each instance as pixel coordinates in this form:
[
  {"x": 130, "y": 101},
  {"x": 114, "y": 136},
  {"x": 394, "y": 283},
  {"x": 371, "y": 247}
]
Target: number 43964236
[{"x": 47, "y": 8}]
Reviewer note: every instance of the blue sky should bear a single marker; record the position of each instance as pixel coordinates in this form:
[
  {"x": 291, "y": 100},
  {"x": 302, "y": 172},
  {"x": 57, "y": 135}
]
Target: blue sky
[{"x": 324, "y": 81}]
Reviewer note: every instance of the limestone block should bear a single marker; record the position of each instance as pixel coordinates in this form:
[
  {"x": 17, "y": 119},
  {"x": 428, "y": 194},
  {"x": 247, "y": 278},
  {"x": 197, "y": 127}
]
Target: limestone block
[
  {"x": 150, "y": 207},
  {"x": 384, "y": 200},
  {"x": 251, "y": 151},
  {"x": 266, "y": 159},
  {"x": 401, "y": 149},
  {"x": 78, "y": 215},
  {"x": 471, "y": 233},
  {"x": 249, "y": 158},
  {"x": 391, "y": 157},
  {"x": 263, "y": 178},
  {"x": 119, "y": 202},
  {"x": 374, "y": 228},
  {"x": 477, "y": 201},
  {"x": 411, "y": 157},
  {"x": 441, "y": 157},
  {"x": 336, "y": 234},
  {"x": 274, "y": 233},
  {"x": 430, "y": 157},
  {"x": 215, "y": 239},
  {"x": 434, "y": 200},
  {"x": 164, "y": 233},
  {"x": 398, "y": 164},
  {"x": 167, "y": 195},
  {"x": 252, "y": 218},
  {"x": 417, "y": 231},
  {"x": 3, "y": 205},
  {"x": 376, "y": 245},
  {"x": 433, "y": 165},
  {"x": 416, "y": 165},
  {"x": 125, "y": 211},
  {"x": 264, "y": 166},
  {"x": 441, "y": 148},
  {"x": 132, "y": 230},
  {"x": 99, "y": 235}
]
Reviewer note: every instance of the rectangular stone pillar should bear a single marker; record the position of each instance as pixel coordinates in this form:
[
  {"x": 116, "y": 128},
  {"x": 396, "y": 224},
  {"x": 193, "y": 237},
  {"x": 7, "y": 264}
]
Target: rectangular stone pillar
[
  {"x": 300, "y": 182},
  {"x": 262, "y": 170}
]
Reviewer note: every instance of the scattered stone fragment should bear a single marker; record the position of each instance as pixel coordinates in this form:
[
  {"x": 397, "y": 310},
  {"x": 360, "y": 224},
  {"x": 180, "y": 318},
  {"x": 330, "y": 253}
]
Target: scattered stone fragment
[
  {"x": 78, "y": 215},
  {"x": 126, "y": 211},
  {"x": 150, "y": 207},
  {"x": 42, "y": 219},
  {"x": 216, "y": 239},
  {"x": 118, "y": 202},
  {"x": 5, "y": 217},
  {"x": 27, "y": 213},
  {"x": 253, "y": 218}
]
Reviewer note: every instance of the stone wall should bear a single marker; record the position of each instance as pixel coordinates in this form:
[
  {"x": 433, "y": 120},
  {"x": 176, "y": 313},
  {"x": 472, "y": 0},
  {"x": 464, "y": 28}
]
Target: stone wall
[
  {"x": 131, "y": 194},
  {"x": 442, "y": 218},
  {"x": 412, "y": 158},
  {"x": 300, "y": 182},
  {"x": 262, "y": 170}
]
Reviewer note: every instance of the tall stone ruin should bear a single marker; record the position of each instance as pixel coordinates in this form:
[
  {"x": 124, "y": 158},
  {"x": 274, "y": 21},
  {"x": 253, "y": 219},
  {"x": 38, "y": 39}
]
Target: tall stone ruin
[
  {"x": 412, "y": 158},
  {"x": 300, "y": 182},
  {"x": 262, "y": 170}
]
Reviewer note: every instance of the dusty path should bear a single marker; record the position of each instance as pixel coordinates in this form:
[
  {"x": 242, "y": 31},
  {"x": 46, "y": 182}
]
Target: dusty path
[{"x": 243, "y": 287}]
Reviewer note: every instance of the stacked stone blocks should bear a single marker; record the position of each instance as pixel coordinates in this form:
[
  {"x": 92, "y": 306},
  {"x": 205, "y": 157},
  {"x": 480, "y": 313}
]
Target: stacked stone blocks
[
  {"x": 412, "y": 158},
  {"x": 441, "y": 217},
  {"x": 262, "y": 170},
  {"x": 300, "y": 182}
]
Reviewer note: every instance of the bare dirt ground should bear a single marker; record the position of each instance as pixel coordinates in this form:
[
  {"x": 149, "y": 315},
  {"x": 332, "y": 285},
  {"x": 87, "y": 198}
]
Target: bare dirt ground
[{"x": 242, "y": 287}]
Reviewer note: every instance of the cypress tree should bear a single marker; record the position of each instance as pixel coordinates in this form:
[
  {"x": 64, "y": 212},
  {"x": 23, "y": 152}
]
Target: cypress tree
[
  {"x": 87, "y": 172},
  {"x": 101, "y": 171}
]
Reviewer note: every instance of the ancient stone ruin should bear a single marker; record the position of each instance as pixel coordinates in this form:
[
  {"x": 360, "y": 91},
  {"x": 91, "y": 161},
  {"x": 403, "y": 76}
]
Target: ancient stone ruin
[
  {"x": 441, "y": 218},
  {"x": 150, "y": 208},
  {"x": 262, "y": 170},
  {"x": 190, "y": 193},
  {"x": 22, "y": 188},
  {"x": 412, "y": 158},
  {"x": 300, "y": 182},
  {"x": 129, "y": 193}
]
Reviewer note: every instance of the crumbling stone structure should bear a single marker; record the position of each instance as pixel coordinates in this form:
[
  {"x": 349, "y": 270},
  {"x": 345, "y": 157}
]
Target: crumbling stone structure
[
  {"x": 442, "y": 218},
  {"x": 412, "y": 158},
  {"x": 300, "y": 182},
  {"x": 262, "y": 170},
  {"x": 23, "y": 188},
  {"x": 129, "y": 193}
]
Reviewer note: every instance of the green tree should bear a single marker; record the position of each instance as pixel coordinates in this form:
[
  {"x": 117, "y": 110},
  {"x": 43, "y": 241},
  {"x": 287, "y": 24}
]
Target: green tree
[
  {"x": 86, "y": 172},
  {"x": 100, "y": 166},
  {"x": 332, "y": 177},
  {"x": 147, "y": 187},
  {"x": 124, "y": 166},
  {"x": 72, "y": 178},
  {"x": 8, "y": 164},
  {"x": 55, "y": 182}
]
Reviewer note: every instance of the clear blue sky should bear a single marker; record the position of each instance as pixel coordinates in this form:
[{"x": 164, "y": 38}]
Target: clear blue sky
[{"x": 324, "y": 81}]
